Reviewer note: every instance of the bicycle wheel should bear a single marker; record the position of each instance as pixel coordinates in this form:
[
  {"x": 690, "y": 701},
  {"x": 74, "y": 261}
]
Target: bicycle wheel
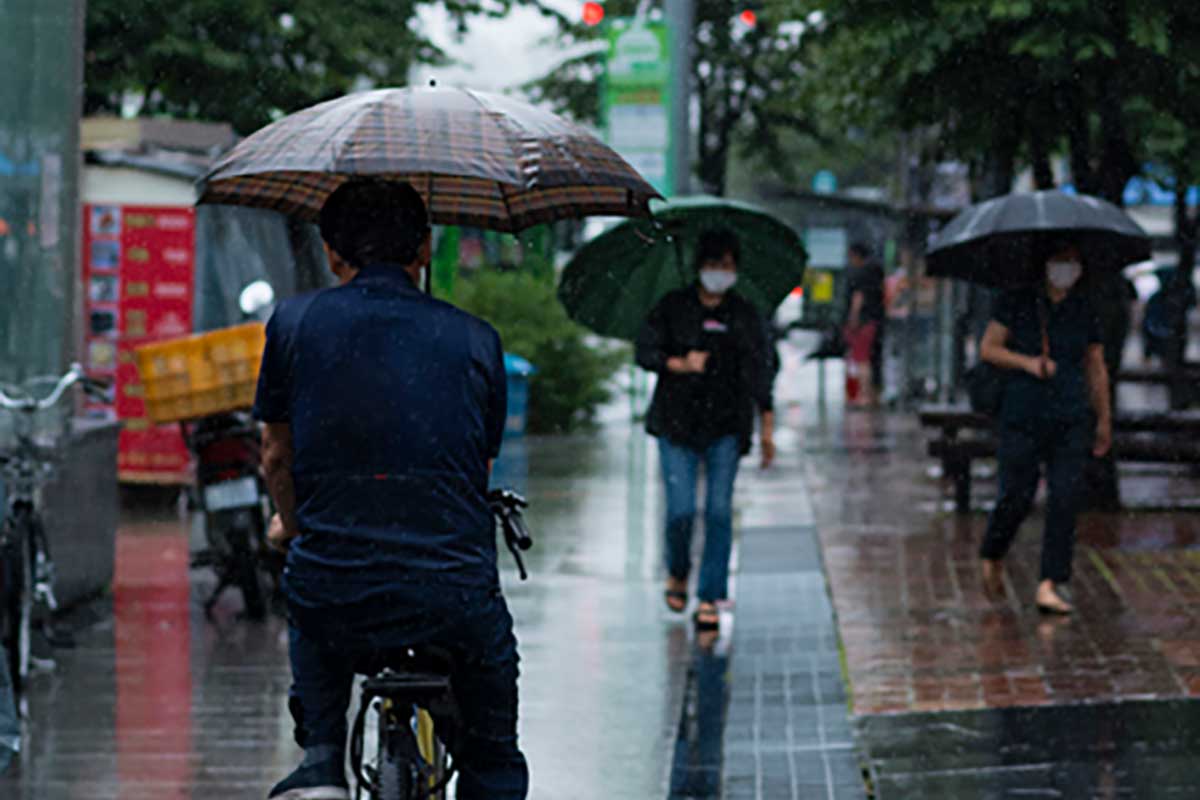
[
  {"x": 249, "y": 577},
  {"x": 250, "y": 581},
  {"x": 396, "y": 765},
  {"x": 18, "y": 600}
]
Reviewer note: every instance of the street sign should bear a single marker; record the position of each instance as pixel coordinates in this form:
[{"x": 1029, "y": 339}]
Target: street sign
[
  {"x": 637, "y": 99},
  {"x": 824, "y": 182},
  {"x": 826, "y": 247},
  {"x": 139, "y": 277}
]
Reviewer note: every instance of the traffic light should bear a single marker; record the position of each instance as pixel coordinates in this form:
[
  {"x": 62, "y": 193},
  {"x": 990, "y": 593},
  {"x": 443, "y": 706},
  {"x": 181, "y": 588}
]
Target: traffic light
[
  {"x": 748, "y": 17},
  {"x": 593, "y": 13}
]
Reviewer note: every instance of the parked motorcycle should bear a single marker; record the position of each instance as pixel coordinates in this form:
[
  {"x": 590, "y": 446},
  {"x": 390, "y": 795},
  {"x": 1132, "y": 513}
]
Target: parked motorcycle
[{"x": 232, "y": 496}]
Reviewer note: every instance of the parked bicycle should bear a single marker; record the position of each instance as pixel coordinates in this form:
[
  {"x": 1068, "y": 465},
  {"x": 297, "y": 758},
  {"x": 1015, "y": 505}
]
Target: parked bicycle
[
  {"x": 412, "y": 691},
  {"x": 234, "y": 501},
  {"x": 26, "y": 569}
]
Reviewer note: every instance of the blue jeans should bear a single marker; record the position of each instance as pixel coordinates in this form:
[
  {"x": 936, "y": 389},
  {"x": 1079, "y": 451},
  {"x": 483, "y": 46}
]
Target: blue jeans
[
  {"x": 329, "y": 645},
  {"x": 680, "y": 469}
]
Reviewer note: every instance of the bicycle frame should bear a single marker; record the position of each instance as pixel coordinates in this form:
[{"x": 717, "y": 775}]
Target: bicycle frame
[
  {"x": 416, "y": 690},
  {"x": 407, "y": 740}
]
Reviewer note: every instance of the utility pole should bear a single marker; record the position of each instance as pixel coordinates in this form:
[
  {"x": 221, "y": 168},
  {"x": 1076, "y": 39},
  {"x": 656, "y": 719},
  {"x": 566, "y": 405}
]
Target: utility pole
[{"x": 681, "y": 19}]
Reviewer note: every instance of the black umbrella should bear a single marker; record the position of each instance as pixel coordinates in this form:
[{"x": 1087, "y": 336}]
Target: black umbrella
[{"x": 999, "y": 242}]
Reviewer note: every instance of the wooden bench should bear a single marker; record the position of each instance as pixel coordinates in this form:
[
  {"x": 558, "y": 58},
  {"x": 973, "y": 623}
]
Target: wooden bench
[
  {"x": 1155, "y": 374},
  {"x": 1136, "y": 438}
]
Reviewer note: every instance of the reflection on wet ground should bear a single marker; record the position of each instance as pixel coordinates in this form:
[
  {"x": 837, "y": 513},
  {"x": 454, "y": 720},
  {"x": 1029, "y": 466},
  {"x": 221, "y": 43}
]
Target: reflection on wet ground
[
  {"x": 951, "y": 697},
  {"x": 918, "y": 632},
  {"x": 956, "y": 697},
  {"x": 1138, "y": 750},
  {"x": 157, "y": 701}
]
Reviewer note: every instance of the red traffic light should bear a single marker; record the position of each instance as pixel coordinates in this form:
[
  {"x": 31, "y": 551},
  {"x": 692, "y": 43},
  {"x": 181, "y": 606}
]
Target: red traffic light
[
  {"x": 593, "y": 13},
  {"x": 748, "y": 18}
]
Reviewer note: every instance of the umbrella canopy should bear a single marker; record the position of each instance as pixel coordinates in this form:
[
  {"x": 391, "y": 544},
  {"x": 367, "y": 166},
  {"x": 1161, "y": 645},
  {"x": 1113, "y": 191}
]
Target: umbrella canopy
[
  {"x": 997, "y": 242},
  {"x": 480, "y": 160},
  {"x": 613, "y": 281}
]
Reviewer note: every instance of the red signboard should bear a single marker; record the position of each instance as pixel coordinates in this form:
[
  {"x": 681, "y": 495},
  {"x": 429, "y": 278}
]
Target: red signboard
[{"x": 139, "y": 278}]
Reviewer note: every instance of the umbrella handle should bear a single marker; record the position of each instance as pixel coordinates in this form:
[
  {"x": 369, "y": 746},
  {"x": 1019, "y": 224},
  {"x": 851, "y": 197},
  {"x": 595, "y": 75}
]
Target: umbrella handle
[{"x": 677, "y": 241}]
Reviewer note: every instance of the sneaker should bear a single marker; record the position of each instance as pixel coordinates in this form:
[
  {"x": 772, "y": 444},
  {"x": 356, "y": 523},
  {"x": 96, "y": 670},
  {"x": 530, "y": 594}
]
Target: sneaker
[{"x": 323, "y": 781}]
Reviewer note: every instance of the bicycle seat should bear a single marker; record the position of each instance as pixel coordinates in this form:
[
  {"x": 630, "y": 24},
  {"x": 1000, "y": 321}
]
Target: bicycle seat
[{"x": 421, "y": 673}]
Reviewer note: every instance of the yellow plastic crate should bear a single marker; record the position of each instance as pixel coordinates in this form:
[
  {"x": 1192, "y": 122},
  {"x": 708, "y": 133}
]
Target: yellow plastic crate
[{"x": 196, "y": 376}]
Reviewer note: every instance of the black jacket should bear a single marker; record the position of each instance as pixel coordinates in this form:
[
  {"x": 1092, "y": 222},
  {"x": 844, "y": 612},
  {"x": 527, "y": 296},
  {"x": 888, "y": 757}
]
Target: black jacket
[{"x": 696, "y": 410}]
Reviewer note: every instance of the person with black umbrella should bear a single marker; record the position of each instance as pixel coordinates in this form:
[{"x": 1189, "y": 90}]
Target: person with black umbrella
[{"x": 1055, "y": 405}]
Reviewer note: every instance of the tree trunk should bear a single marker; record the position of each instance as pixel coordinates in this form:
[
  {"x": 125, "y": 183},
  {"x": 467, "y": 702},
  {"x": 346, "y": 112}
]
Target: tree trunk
[
  {"x": 999, "y": 168},
  {"x": 1043, "y": 173},
  {"x": 1178, "y": 296},
  {"x": 1107, "y": 179},
  {"x": 1079, "y": 136}
]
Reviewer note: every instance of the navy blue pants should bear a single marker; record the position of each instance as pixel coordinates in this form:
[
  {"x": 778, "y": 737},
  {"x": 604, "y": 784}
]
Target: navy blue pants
[
  {"x": 329, "y": 645},
  {"x": 1062, "y": 445}
]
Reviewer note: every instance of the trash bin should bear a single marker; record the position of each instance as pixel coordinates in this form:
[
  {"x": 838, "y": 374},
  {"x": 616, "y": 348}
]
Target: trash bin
[{"x": 517, "y": 371}]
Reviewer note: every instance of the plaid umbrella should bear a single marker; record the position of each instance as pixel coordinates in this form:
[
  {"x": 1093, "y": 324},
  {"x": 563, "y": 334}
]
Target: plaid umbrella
[{"x": 480, "y": 160}]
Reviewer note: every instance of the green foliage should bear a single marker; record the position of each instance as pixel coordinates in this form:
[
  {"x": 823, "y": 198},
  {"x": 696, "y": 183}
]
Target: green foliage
[
  {"x": 573, "y": 375},
  {"x": 1012, "y": 79},
  {"x": 743, "y": 80},
  {"x": 246, "y": 61}
]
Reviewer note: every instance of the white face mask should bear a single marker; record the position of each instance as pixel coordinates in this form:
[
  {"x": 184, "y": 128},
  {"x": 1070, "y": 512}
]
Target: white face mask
[
  {"x": 717, "y": 281},
  {"x": 1063, "y": 274}
]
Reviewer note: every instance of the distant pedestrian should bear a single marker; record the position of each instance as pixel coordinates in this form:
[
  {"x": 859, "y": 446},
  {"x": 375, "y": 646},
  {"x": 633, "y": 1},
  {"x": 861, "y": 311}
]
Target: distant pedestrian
[
  {"x": 1055, "y": 407},
  {"x": 863, "y": 325},
  {"x": 1157, "y": 328},
  {"x": 709, "y": 347}
]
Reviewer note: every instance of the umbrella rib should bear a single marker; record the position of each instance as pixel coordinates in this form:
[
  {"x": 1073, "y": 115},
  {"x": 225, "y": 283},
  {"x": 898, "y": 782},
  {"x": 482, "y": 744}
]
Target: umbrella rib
[
  {"x": 352, "y": 118},
  {"x": 507, "y": 208},
  {"x": 518, "y": 153}
]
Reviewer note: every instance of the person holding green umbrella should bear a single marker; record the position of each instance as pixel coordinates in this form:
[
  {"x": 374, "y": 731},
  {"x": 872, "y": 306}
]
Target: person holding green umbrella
[{"x": 709, "y": 347}]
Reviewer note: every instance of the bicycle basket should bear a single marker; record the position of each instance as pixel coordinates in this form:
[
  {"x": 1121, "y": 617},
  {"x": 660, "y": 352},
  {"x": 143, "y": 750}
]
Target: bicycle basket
[{"x": 48, "y": 428}]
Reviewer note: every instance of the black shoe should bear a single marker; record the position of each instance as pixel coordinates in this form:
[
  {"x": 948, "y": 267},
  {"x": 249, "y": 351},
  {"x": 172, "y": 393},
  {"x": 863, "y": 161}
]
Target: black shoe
[{"x": 323, "y": 781}]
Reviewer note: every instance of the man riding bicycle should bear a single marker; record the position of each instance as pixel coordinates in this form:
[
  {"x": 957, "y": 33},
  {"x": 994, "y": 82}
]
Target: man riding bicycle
[{"x": 383, "y": 409}]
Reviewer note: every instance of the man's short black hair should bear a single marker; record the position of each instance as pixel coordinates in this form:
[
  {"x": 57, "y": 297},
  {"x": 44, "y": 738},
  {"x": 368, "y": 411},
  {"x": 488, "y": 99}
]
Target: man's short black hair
[
  {"x": 370, "y": 220},
  {"x": 715, "y": 244},
  {"x": 861, "y": 249}
]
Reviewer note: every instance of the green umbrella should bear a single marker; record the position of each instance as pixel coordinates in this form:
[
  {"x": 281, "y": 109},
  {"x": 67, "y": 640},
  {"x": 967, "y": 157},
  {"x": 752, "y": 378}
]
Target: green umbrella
[{"x": 614, "y": 280}]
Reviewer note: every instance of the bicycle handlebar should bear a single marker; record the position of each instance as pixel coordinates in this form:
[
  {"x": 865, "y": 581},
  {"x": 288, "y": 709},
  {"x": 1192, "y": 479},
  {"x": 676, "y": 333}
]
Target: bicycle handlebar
[{"x": 74, "y": 375}]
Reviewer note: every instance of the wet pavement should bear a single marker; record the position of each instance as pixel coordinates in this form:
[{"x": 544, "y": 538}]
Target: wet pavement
[
  {"x": 156, "y": 701},
  {"x": 858, "y": 637},
  {"x": 918, "y": 632},
  {"x": 955, "y": 697}
]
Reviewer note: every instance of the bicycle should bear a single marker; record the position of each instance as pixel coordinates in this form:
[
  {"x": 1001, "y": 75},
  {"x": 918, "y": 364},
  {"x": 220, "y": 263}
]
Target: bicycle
[
  {"x": 414, "y": 689},
  {"x": 26, "y": 569}
]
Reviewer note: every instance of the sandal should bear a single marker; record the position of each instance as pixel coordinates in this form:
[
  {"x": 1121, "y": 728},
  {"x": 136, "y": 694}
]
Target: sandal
[
  {"x": 707, "y": 618},
  {"x": 676, "y": 600}
]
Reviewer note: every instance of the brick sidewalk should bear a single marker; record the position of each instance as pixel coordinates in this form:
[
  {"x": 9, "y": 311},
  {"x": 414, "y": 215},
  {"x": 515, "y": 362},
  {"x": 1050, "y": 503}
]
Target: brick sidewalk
[{"x": 917, "y": 631}]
